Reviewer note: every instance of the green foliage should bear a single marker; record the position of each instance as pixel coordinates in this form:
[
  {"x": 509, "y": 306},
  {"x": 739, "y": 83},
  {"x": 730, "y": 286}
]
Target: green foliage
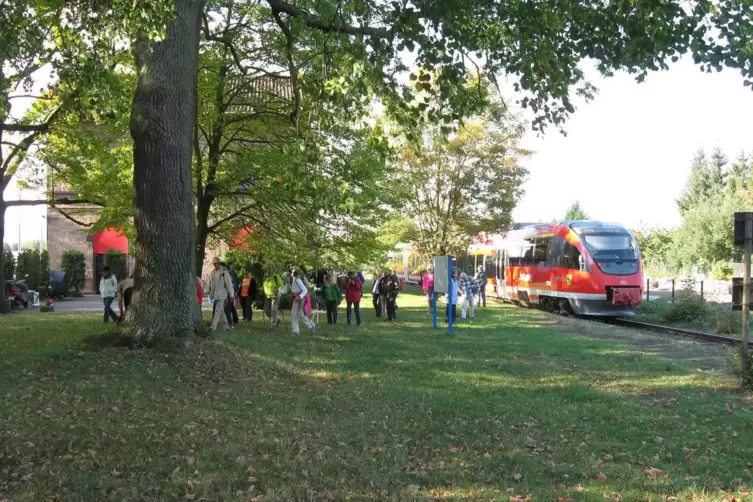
[
  {"x": 655, "y": 246},
  {"x": 707, "y": 181},
  {"x": 687, "y": 306},
  {"x": 44, "y": 266},
  {"x": 465, "y": 185},
  {"x": 727, "y": 322},
  {"x": 722, "y": 271},
  {"x": 242, "y": 261},
  {"x": 29, "y": 268},
  {"x": 74, "y": 266},
  {"x": 575, "y": 212},
  {"x": 9, "y": 262},
  {"x": 117, "y": 261}
]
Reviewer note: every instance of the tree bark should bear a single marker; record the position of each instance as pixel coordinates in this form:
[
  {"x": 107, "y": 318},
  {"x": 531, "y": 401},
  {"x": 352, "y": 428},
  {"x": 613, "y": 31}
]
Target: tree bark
[
  {"x": 162, "y": 120},
  {"x": 4, "y": 305}
]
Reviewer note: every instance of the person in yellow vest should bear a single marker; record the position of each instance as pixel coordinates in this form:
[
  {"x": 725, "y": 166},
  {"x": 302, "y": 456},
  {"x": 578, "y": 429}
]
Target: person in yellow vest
[
  {"x": 272, "y": 284},
  {"x": 248, "y": 296}
]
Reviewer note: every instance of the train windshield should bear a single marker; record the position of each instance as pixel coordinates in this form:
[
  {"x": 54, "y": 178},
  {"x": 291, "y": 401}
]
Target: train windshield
[{"x": 614, "y": 253}]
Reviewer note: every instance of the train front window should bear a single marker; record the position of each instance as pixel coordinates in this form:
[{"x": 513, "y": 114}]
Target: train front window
[{"x": 614, "y": 253}]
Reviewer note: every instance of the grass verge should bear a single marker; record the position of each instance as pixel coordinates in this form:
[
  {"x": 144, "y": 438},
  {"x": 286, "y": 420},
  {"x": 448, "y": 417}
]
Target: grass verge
[{"x": 505, "y": 410}]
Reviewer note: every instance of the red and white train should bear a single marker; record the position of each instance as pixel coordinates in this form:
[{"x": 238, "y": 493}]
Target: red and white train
[{"x": 584, "y": 267}]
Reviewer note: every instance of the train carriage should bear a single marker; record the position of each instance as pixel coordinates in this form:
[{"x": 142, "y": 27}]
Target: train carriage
[{"x": 585, "y": 267}]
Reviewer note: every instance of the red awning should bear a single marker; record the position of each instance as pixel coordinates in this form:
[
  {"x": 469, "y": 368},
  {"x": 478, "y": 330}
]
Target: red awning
[{"x": 109, "y": 239}]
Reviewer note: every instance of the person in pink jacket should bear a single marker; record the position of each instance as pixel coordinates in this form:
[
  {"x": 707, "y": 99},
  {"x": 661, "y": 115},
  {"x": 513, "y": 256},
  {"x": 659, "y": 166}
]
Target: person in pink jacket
[{"x": 428, "y": 283}]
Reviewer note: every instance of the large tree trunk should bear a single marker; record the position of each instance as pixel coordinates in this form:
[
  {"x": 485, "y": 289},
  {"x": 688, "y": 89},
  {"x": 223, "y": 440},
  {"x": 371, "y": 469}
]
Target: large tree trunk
[
  {"x": 4, "y": 305},
  {"x": 162, "y": 121}
]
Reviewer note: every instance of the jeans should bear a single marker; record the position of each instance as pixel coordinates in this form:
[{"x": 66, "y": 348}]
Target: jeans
[
  {"x": 246, "y": 305},
  {"x": 430, "y": 298},
  {"x": 481, "y": 297},
  {"x": 468, "y": 301},
  {"x": 357, "y": 307},
  {"x": 331, "y": 312},
  {"x": 109, "y": 312}
]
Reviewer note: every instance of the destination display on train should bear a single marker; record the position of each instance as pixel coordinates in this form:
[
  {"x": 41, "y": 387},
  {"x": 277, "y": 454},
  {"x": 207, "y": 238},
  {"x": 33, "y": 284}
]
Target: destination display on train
[{"x": 600, "y": 230}]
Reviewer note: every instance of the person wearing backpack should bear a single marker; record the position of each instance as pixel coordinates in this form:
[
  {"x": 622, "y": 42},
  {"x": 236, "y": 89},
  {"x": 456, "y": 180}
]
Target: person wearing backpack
[
  {"x": 272, "y": 285},
  {"x": 301, "y": 304},
  {"x": 248, "y": 296},
  {"x": 332, "y": 297}
]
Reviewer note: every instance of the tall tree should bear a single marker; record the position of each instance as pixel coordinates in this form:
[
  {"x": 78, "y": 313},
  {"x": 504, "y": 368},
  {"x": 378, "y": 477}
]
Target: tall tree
[
  {"x": 465, "y": 185},
  {"x": 575, "y": 212},
  {"x": 706, "y": 181}
]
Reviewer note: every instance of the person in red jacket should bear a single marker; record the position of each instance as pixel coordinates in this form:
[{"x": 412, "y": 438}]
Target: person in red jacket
[
  {"x": 353, "y": 291},
  {"x": 199, "y": 291}
]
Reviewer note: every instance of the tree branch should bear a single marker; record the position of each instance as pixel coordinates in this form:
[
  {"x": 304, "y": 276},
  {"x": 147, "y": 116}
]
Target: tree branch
[
  {"x": 235, "y": 214},
  {"x": 324, "y": 25},
  {"x": 63, "y": 201},
  {"x": 67, "y": 216},
  {"x": 292, "y": 68}
]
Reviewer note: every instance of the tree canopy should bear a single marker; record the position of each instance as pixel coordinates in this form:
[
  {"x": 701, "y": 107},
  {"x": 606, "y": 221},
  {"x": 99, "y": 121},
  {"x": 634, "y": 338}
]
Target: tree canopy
[{"x": 463, "y": 185}]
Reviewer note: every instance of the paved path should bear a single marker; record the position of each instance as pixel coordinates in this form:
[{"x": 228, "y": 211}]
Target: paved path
[{"x": 89, "y": 304}]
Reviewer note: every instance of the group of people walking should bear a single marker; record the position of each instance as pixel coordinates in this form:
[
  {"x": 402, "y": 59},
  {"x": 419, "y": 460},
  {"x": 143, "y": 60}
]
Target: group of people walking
[{"x": 225, "y": 287}]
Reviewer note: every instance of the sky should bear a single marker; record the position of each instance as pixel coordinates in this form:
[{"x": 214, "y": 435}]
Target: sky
[{"x": 626, "y": 155}]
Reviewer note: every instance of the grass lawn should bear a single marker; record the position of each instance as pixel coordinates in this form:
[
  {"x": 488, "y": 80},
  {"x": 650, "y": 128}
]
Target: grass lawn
[{"x": 513, "y": 407}]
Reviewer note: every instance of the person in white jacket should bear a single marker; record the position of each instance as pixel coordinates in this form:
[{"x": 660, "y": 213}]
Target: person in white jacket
[
  {"x": 108, "y": 288},
  {"x": 301, "y": 301},
  {"x": 220, "y": 290}
]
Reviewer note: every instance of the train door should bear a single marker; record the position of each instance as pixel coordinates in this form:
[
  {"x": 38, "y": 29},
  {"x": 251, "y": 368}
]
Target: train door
[{"x": 541, "y": 279}]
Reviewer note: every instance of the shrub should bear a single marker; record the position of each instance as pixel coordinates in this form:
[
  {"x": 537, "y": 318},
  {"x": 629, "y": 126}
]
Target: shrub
[
  {"x": 44, "y": 267},
  {"x": 688, "y": 306},
  {"x": 74, "y": 266},
  {"x": 746, "y": 379},
  {"x": 117, "y": 263},
  {"x": 10, "y": 263},
  {"x": 727, "y": 322},
  {"x": 29, "y": 268}
]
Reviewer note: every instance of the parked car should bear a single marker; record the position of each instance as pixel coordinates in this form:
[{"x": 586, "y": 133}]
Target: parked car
[
  {"x": 17, "y": 294},
  {"x": 58, "y": 284}
]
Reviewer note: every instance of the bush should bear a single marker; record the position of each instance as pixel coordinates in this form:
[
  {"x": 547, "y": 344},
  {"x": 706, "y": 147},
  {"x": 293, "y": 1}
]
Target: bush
[
  {"x": 74, "y": 266},
  {"x": 10, "y": 263},
  {"x": 117, "y": 263},
  {"x": 746, "y": 380},
  {"x": 688, "y": 306},
  {"x": 44, "y": 267},
  {"x": 29, "y": 269},
  {"x": 727, "y": 322}
]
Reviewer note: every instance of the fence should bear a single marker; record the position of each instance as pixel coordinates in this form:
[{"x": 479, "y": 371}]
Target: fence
[{"x": 669, "y": 288}]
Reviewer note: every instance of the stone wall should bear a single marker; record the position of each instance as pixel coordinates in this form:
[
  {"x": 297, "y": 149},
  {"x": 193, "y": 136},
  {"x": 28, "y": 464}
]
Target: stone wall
[{"x": 65, "y": 235}]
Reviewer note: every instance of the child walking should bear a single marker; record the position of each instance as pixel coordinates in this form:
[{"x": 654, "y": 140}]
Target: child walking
[{"x": 332, "y": 298}]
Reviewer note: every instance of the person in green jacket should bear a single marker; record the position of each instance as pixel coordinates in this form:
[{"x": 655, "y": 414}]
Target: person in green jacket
[
  {"x": 272, "y": 284},
  {"x": 332, "y": 297}
]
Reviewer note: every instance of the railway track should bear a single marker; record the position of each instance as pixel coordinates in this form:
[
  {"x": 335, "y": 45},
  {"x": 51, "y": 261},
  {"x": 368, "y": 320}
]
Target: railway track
[{"x": 629, "y": 323}]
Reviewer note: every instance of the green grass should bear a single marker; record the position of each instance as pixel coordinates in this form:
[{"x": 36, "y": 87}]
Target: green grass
[{"x": 506, "y": 409}]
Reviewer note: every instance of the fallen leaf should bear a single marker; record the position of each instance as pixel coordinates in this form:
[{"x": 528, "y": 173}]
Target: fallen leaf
[
  {"x": 517, "y": 477},
  {"x": 690, "y": 478},
  {"x": 530, "y": 441},
  {"x": 564, "y": 499},
  {"x": 452, "y": 448},
  {"x": 602, "y": 478},
  {"x": 658, "y": 439},
  {"x": 652, "y": 472},
  {"x": 608, "y": 457},
  {"x": 190, "y": 496},
  {"x": 578, "y": 488}
]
